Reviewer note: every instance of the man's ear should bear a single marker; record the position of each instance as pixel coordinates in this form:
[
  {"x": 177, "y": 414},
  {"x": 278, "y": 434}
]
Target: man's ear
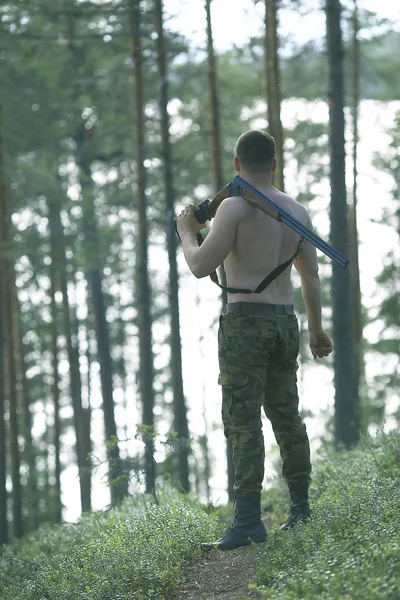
[
  {"x": 236, "y": 164},
  {"x": 274, "y": 165}
]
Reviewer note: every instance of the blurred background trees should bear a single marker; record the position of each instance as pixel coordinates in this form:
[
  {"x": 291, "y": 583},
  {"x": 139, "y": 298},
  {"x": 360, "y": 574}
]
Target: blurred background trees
[{"x": 109, "y": 119}]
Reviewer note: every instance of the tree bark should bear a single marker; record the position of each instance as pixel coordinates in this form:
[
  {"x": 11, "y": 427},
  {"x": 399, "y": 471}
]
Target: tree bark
[
  {"x": 11, "y": 378},
  {"x": 217, "y": 169},
  {"x": 180, "y": 411},
  {"x": 57, "y": 245},
  {"x": 117, "y": 479},
  {"x": 3, "y": 393},
  {"x": 3, "y": 430},
  {"x": 274, "y": 87},
  {"x": 7, "y": 292},
  {"x": 354, "y": 267},
  {"x": 29, "y": 455},
  {"x": 56, "y": 394},
  {"x": 143, "y": 301},
  {"x": 344, "y": 358}
]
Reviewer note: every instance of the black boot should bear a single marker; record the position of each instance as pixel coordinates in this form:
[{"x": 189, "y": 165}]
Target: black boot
[
  {"x": 299, "y": 507},
  {"x": 246, "y": 528}
]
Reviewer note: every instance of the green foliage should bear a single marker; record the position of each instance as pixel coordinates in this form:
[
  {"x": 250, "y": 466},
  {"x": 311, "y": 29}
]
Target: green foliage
[
  {"x": 141, "y": 551},
  {"x": 136, "y": 552},
  {"x": 352, "y": 543}
]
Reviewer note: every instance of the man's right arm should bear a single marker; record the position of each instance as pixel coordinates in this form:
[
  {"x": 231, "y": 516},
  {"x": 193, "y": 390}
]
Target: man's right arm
[{"x": 307, "y": 266}]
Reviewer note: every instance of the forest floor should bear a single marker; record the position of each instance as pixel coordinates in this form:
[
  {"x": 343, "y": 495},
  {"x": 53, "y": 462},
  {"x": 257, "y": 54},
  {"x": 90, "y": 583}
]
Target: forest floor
[
  {"x": 223, "y": 575},
  {"x": 147, "y": 551}
]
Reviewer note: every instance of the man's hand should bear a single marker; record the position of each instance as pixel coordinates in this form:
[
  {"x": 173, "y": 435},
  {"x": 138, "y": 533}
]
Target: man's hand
[
  {"x": 320, "y": 343},
  {"x": 186, "y": 221}
]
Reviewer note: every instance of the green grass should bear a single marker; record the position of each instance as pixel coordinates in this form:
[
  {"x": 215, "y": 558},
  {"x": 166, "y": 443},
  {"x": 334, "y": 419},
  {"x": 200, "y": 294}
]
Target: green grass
[
  {"x": 351, "y": 548},
  {"x": 137, "y": 552}
]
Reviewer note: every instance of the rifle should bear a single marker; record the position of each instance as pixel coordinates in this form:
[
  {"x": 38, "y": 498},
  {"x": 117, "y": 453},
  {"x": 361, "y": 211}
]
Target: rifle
[{"x": 207, "y": 209}]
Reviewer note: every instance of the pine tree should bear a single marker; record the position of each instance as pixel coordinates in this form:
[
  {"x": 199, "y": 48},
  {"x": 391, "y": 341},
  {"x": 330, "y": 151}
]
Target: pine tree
[
  {"x": 272, "y": 70},
  {"x": 3, "y": 431},
  {"x": 217, "y": 169},
  {"x": 143, "y": 290},
  {"x": 354, "y": 267},
  {"x": 180, "y": 411},
  {"x": 55, "y": 328},
  {"x": 57, "y": 245},
  {"x": 347, "y": 421}
]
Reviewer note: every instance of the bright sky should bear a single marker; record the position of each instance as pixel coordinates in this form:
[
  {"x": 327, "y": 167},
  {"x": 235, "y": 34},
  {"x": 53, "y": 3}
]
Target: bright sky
[{"x": 234, "y": 21}]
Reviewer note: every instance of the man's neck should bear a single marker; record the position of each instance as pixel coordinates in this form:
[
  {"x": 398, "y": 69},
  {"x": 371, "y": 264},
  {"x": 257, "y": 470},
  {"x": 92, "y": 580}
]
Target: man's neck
[{"x": 258, "y": 181}]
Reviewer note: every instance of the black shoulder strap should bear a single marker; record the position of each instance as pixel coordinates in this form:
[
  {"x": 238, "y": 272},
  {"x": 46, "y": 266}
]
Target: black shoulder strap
[{"x": 265, "y": 282}]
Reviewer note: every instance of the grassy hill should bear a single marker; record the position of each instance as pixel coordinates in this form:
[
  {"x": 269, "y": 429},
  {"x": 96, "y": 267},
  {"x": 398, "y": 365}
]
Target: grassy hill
[{"x": 143, "y": 551}]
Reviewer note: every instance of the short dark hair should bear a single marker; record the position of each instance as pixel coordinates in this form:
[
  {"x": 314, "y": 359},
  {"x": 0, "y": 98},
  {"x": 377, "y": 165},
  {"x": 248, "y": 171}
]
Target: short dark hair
[{"x": 255, "y": 150}]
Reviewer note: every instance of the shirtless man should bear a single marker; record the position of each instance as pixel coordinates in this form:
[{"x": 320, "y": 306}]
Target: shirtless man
[{"x": 258, "y": 337}]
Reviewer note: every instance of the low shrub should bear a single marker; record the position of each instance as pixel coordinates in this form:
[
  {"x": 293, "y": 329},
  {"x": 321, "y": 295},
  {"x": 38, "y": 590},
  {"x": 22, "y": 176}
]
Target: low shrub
[
  {"x": 351, "y": 547},
  {"x": 117, "y": 556}
]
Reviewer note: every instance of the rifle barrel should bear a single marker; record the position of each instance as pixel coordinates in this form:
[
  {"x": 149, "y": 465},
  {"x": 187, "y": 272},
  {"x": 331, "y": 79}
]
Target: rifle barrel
[{"x": 294, "y": 224}]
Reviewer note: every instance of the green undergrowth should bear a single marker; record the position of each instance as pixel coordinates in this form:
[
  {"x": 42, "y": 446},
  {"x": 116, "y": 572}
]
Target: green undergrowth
[
  {"x": 351, "y": 547},
  {"x": 141, "y": 551},
  {"x": 137, "y": 552}
]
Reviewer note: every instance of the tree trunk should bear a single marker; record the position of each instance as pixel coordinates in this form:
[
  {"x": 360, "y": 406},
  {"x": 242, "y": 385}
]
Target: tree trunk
[
  {"x": 85, "y": 410},
  {"x": 274, "y": 87},
  {"x": 217, "y": 169},
  {"x": 354, "y": 267},
  {"x": 3, "y": 459},
  {"x": 83, "y": 442},
  {"x": 180, "y": 411},
  {"x": 3, "y": 393},
  {"x": 29, "y": 455},
  {"x": 11, "y": 378},
  {"x": 214, "y": 104},
  {"x": 58, "y": 257},
  {"x": 56, "y": 395},
  {"x": 143, "y": 301},
  {"x": 344, "y": 358},
  {"x": 117, "y": 479},
  {"x": 7, "y": 292}
]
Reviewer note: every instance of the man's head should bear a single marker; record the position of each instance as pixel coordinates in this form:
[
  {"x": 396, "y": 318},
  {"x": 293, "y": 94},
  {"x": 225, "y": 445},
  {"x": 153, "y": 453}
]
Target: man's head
[{"x": 255, "y": 153}]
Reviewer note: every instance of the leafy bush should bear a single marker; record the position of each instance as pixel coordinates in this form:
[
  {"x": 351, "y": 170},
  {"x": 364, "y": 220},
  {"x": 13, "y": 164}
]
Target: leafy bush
[
  {"x": 113, "y": 556},
  {"x": 351, "y": 547},
  {"x": 349, "y": 550}
]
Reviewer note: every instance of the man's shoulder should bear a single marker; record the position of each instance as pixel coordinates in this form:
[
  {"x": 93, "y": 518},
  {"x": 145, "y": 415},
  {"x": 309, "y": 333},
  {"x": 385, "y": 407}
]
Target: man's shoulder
[
  {"x": 237, "y": 204},
  {"x": 296, "y": 208},
  {"x": 235, "y": 200}
]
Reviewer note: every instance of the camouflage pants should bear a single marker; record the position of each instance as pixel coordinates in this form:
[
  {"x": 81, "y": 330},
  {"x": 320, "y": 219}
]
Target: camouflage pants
[{"x": 257, "y": 360}]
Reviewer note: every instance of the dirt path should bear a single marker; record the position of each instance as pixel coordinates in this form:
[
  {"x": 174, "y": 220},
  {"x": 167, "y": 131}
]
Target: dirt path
[{"x": 222, "y": 575}]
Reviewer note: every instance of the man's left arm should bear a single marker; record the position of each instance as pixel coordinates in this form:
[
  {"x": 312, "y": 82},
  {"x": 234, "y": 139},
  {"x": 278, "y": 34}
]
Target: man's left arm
[{"x": 204, "y": 259}]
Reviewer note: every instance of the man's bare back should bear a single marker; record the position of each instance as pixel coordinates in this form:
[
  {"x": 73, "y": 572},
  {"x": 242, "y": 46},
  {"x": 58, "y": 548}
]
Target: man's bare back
[{"x": 260, "y": 245}]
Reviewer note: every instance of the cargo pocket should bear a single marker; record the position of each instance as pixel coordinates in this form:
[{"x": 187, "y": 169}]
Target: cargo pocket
[
  {"x": 234, "y": 393},
  {"x": 236, "y": 381}
]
